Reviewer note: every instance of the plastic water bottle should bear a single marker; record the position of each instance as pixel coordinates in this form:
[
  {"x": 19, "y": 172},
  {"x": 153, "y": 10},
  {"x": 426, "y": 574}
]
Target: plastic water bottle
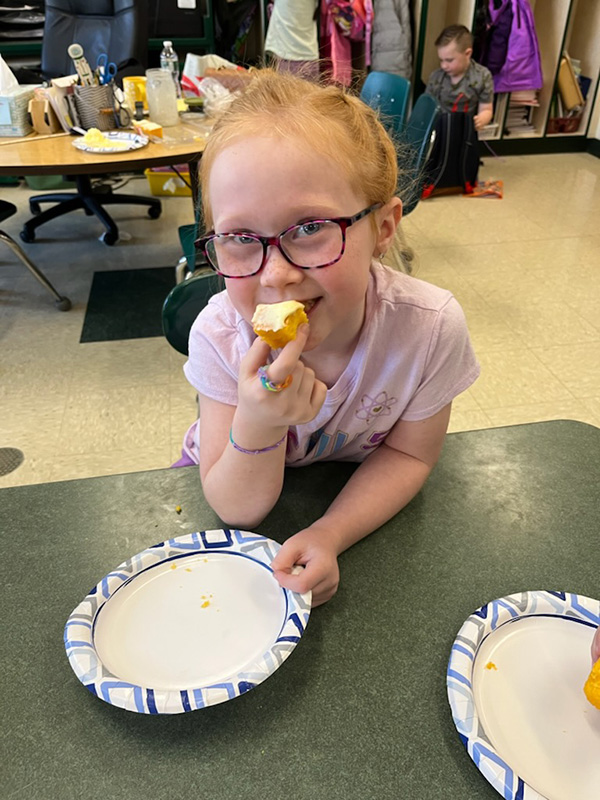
[{"x": 169, "y": 60}]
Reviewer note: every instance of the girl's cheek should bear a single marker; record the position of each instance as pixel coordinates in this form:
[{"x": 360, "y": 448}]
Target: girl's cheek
[{"x": 241, "y": 293}]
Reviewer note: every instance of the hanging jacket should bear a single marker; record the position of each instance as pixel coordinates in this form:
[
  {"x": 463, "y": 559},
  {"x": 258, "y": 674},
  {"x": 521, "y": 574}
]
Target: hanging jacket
[
  {"x": 392, "y": 40},
  {"x": 336, "y": 34},
  {"x": 512, "y": 51}
]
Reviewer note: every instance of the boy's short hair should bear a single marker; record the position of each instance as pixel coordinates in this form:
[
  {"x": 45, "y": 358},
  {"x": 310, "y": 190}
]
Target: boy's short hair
[{"x": 455, "y": 33}]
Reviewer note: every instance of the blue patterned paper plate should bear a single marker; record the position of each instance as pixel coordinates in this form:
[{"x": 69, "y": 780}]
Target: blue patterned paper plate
[
  {"x": 117, "y": 142},
  {"x": 515, "y": 686},
  {"x": 187, "y": 623}
]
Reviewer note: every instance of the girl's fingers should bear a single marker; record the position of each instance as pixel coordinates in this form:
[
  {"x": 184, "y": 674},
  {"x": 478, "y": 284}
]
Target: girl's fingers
[
  {"x": 256, "y": 356},
  {"x": 286, "y": 361}
]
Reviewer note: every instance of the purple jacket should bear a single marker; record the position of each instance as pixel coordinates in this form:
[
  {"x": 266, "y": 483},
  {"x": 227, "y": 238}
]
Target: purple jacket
[{"x": 522, "y": 67}]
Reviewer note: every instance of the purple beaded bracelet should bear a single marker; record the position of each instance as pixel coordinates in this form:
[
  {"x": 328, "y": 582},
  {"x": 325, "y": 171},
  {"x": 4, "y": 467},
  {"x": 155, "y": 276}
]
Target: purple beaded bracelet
[{"x": 259, "y": 451}]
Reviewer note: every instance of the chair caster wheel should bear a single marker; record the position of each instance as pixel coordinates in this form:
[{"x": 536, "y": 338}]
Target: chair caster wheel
[
  {"x": 64, "y": 304},
  {"x": 110, "y": 238},
  {"x": 27, "y": 236},
  {"x": 154, "y": 212}
]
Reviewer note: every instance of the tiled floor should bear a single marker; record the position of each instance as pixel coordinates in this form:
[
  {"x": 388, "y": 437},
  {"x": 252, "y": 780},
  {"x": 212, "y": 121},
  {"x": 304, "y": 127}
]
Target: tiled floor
[{"x": 526, "y": 270}]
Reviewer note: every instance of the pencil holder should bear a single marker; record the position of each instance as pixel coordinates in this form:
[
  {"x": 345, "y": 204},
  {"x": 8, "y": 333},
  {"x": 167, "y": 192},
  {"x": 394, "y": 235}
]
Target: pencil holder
[{"x": 95, "y": 106}]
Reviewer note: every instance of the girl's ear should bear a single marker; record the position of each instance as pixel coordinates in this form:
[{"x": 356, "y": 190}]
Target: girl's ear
[{"x": 388, "y": 219}]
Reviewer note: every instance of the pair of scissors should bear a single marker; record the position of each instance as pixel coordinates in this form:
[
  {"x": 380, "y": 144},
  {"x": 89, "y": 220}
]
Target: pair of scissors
[{"x": 106, "y": 69}]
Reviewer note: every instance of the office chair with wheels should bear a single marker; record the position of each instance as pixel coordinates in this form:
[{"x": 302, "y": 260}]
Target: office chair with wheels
[
  {"x": 388, "y": 94},
  {"x": 6, "y": 211},
  {"x": 119, "y": 29}
]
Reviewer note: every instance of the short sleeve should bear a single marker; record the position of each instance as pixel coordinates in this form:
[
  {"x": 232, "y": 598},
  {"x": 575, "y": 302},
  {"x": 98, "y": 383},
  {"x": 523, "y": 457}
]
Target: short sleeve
[
  {"x": 216, "y": 347},
  {"x": 487, "y": 91},
  {"x": 450, "y": 366},
  {"x": 433, "y": 85}
]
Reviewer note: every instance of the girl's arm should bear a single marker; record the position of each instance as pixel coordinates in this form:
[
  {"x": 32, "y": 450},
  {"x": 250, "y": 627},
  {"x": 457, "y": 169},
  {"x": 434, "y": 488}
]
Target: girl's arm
[
  {"x": 242, "y": 488},
  {"x": 383, "y": 484}
]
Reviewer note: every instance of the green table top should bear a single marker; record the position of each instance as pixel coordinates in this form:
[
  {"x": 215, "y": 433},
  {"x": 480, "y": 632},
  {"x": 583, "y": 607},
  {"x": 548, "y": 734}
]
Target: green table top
[{"x": 359, "y": 710}]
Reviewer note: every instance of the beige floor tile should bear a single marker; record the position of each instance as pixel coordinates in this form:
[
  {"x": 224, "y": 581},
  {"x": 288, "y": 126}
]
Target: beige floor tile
[
  {"x": 516, "y": 377},
  {"x": 468, "y": 421},
  {"x": 592, "y": 404},
  {"x": 465, "y": 401},
  {"x": 549, "y": 324},
  {"x": 537, "y": 412},
  {"x": 577, "y": 366},
  {"x": 48, "y": 381},
  {"x": 36, "y": 468},
  {"x": 489, "y": 332},
  {"x": 112, "y": 420},
  {"x": 30, "y": 418},
  {"x": 89, "y": 465},
  {"x": 123, "y": 363},
  {"x": 484, "y": 259}
]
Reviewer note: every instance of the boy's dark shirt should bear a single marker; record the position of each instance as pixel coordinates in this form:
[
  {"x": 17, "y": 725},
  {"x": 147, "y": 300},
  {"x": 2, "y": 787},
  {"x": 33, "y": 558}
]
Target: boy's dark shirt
[{"x": 476, "y": 86}]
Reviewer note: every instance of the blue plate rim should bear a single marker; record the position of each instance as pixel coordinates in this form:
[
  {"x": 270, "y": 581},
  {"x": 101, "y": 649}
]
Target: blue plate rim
[
  {"x": 459, "y": 675},
  {"x": 88, "y": 667}
]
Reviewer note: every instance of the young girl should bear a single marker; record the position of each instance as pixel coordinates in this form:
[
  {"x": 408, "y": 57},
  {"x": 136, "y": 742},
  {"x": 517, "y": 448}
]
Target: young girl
[{"x": 303, "y": 178}]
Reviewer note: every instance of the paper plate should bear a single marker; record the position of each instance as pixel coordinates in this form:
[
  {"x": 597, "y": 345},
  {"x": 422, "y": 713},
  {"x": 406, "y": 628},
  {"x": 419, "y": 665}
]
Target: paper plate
[
  {"x": 515, "y": 685},
  {"x": 185, "y": 624},
  {"x": 123, "y": 142}
]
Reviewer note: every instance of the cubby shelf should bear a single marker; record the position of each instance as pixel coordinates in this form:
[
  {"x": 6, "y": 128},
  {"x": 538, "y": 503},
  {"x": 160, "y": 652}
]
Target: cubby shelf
[{"x": 571, "y": 26}]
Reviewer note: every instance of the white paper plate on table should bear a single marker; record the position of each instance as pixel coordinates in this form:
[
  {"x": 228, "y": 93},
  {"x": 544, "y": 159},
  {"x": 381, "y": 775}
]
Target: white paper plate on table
[
  {"x": 515, "y": 685},
  {"x": 120, "y": 142},
  {"x": 188, "y": 623}
]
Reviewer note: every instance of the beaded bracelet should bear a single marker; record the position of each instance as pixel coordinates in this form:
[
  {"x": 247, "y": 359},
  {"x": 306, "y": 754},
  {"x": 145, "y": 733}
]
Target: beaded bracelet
[{"x": 260, "y": 450}]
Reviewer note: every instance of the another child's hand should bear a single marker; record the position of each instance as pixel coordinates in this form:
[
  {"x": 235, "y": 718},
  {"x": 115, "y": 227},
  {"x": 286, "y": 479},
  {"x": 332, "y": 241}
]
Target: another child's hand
[
  {"x": 318, "y": 555},
  {"x": 479, "y": 122},
  {"x": 300, "y": 402},
  {"x": 596, "y": 647}
]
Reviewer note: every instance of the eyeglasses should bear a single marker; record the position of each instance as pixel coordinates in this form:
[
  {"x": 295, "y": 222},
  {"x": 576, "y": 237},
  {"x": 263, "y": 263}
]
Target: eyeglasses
[{"x": 313, "y": 244}]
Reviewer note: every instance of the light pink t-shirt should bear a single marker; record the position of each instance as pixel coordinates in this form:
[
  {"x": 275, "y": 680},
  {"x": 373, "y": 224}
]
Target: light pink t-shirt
[{"x": 413, "y": 357}]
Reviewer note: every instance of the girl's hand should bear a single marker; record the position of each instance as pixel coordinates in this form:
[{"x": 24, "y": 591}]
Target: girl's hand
[
  {"x": 313, "y": 549},
  {"x": 596, "y": 647},
  {"x": 300, "y": 402}
]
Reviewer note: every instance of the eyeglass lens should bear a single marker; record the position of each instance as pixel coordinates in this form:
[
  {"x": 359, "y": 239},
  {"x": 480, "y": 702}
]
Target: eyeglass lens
[{"x": 312, "y": 244}]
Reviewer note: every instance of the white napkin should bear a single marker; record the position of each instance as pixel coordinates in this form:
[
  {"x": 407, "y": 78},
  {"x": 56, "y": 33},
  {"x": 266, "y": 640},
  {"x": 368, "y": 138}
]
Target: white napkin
[{"x": 8, "y": 82}]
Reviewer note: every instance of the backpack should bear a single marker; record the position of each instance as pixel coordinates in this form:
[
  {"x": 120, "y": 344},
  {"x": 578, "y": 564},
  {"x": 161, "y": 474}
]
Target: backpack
[{"x": 454, "y": 160}]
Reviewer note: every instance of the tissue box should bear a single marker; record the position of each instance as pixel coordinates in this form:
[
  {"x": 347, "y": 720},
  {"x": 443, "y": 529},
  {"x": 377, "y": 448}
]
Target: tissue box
[{"x": 14, "y": 117}]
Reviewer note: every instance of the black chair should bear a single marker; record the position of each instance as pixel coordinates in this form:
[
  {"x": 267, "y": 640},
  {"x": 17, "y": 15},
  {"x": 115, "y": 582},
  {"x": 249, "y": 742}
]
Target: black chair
[
  {"x": 6, "y": 211},
  {"x": 119, "y": 29}
]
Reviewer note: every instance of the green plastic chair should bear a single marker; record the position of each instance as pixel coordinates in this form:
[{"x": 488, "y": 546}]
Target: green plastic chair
[
  {"x": 388, "y": 94},
  {"x": 183, "y": 304},
  {"x": 418, "y": 137},
  {"x": 191, "y": 259}
]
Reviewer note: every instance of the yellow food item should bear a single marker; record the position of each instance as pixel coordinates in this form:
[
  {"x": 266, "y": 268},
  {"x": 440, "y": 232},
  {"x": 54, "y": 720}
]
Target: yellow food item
[
  {"x": 148, "y": 128},
  {"x": 277, "y": 323},
  {"x": 491, "y": 665},
  {"x": 95, "y": 138},
  {"x": 592, "y": 685}
]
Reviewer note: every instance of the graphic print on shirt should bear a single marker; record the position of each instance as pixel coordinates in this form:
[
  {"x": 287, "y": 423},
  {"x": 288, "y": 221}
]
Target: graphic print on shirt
[{"x": 379, "y": 406}]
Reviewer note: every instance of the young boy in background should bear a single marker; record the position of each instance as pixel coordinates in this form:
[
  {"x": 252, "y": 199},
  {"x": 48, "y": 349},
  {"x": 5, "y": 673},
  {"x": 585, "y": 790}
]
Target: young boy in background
[{"x": 460, "y": 84}]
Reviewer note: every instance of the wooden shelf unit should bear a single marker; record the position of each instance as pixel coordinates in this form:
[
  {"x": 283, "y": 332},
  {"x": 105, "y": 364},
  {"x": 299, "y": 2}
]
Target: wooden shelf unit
[{"x": 561, "y": 25}]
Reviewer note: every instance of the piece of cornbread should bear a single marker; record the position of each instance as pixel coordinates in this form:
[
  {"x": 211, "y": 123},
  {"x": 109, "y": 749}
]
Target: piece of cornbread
[
  {"x": 592, "y": 685},
  {"x": 277, "y": 323}
]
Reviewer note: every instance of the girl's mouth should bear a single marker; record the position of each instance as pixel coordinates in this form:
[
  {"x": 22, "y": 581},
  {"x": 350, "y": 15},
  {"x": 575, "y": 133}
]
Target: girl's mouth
[{"x": 309, "y": 304}]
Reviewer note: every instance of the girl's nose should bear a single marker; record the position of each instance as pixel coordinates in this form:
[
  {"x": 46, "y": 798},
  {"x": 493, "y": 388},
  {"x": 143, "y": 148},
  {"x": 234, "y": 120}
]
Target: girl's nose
[{"x": 277, "y": 271}]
